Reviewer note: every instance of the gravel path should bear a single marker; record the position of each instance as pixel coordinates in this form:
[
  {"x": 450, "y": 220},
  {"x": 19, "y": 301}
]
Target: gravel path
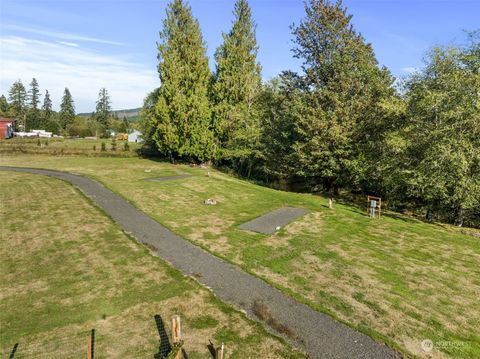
[
  {"x": 317, "y": 334},
  {"x": 269, "y": 222}
]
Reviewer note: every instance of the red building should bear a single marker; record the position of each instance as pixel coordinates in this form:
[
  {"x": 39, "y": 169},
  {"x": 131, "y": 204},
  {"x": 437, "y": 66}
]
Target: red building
[{"x": 7, "y": 127}]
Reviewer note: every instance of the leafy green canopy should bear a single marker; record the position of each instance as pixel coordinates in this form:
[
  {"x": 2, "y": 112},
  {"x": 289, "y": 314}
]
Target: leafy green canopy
[
  {"x": 333, "y": 106},
  {"x": 438, "y": 159}
]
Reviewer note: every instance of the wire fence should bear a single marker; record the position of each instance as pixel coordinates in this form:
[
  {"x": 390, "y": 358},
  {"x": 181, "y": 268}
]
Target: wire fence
[
  {"x": 73, "y": 346},
  {"x": 92, "y": 345},
  {"x": 66, "y": 346}
]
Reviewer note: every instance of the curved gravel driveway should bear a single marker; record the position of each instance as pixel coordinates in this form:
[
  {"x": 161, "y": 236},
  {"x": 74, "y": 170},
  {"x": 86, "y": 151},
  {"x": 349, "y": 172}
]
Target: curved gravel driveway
[{"x": 319, "y": 335}]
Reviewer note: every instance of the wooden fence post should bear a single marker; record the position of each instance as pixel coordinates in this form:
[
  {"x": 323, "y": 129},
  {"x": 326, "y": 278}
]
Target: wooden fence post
[
  {"x": 220, "y": 352},
  {"x": 177, "y": 334},
  {"x": 91, "y": 345}
]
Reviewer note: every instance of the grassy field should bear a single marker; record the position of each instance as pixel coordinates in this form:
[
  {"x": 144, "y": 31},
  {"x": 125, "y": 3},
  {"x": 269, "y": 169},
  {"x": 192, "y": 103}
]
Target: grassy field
[
  {"x": 67, "y": 146},
  {"x": 396, "y": 279},
  {"x": 66, "y": 268}
]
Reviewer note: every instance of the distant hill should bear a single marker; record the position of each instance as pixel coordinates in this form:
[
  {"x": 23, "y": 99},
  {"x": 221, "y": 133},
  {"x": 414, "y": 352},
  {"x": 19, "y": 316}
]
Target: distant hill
[{"x": 131, "y": 114}]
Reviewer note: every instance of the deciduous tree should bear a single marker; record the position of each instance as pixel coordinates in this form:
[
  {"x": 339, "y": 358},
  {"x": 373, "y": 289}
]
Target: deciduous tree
[{"x": 439, "y": 164}]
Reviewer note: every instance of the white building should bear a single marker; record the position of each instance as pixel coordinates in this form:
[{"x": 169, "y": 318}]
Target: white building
[{"x": 135, "y": 136}]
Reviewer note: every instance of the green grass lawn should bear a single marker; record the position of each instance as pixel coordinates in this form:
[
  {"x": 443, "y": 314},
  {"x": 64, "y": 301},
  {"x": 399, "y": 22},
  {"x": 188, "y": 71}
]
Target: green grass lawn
[
  {"x": 67, "y": 268},
  {"x": 396, "y": 279}
]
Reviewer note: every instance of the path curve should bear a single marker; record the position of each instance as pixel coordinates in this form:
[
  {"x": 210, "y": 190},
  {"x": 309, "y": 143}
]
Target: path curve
[{"x": 319, "y": 335}]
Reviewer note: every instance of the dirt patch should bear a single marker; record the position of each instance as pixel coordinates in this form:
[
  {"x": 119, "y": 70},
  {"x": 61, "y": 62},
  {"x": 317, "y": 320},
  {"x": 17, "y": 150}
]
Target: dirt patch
[{"x": 263, "y": 313}]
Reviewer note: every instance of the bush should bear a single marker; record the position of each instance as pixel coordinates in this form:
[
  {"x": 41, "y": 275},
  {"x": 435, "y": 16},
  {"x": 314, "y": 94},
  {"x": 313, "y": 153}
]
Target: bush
[
  {"x": 38, "y": 142},
  {"x": 114, "y": 144},
  {"x": 46, "y": 142},
  {"x": 104, "y": 147},
  {"x": 126, "y": 146},
  {"x": 94, "y": 147}
]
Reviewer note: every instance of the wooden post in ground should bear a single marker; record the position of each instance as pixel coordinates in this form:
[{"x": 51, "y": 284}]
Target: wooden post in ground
[
  {"x": 177, "y": 334},
  {"x": 220, "y": 352},
  {"x": 89, "y": 347}
]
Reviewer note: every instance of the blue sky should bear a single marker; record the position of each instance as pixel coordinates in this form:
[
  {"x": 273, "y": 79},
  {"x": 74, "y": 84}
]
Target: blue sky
[{"x": 85, "y": 45}]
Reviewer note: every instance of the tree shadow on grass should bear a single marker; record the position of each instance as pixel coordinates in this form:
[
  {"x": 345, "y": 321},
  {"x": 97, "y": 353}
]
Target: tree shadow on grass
[
  {"x": 165, "y": 346},
  {"x": 14, "y": 350},
  {"x": 212, "y": 350}
]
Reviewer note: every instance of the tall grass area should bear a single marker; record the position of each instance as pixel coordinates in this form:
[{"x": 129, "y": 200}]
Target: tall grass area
[
  {"x": 67, "y": 268},
  {"x": 396, "y": 278}
]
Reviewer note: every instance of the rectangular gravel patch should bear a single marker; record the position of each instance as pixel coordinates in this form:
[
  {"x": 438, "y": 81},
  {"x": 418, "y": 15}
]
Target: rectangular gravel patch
[
  {"x": 167, "y": 178},
  {"x": 269, "y": 222}
]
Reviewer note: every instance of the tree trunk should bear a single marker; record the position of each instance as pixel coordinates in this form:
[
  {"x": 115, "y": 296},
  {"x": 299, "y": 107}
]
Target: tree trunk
[
  {"x": 459, "y": 216},
  {"x": 336, "y": 190},
  {"x": 429, "y": 215}
]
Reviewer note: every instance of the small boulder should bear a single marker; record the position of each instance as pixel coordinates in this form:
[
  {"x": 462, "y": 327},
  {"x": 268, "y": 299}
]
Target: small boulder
[{"x": 210, "y": 202}]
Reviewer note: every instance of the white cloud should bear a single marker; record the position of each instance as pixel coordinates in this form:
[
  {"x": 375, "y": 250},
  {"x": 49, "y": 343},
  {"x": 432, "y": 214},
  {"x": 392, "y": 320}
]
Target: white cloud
[
  {"x": 57, "y": 65},
  {"x": 66, "y": 43},
  {"x": 60, "y": 35}
]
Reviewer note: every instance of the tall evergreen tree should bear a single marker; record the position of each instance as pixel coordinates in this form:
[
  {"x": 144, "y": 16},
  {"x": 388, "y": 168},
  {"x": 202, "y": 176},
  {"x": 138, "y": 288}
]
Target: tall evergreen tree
[
  {"x": 67, "y": 109},
  {"x": 17, "y": 96},
  {"x": 103, "y": 108},
  {"x": 182, "y": 113},
  {"x": 47, "y": 106},
  {"x": 345, "y": 91},
  {"x": 34, "y": 95},
  {"x": 33, "y": 119},
  {"x": 237, "y": 85},
  {"x": 3, "y": 105},
  {"x": 125, "y": 127}
]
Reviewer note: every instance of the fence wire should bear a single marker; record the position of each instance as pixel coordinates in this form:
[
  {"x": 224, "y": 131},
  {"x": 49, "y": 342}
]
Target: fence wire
[{"x": 72, "y": 347}]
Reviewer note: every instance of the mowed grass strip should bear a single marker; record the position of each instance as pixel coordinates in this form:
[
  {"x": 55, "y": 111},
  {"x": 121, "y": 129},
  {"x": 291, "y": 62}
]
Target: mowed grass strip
[
  {"x": 396, "y": 279},
  {"x": 66, "y": 268}
]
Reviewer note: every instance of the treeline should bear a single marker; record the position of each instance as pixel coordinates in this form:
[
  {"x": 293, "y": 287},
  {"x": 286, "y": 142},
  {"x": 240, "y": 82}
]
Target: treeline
[
  {"x": 343, "y": 122},
  {"x": 24, "y": 105}
]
